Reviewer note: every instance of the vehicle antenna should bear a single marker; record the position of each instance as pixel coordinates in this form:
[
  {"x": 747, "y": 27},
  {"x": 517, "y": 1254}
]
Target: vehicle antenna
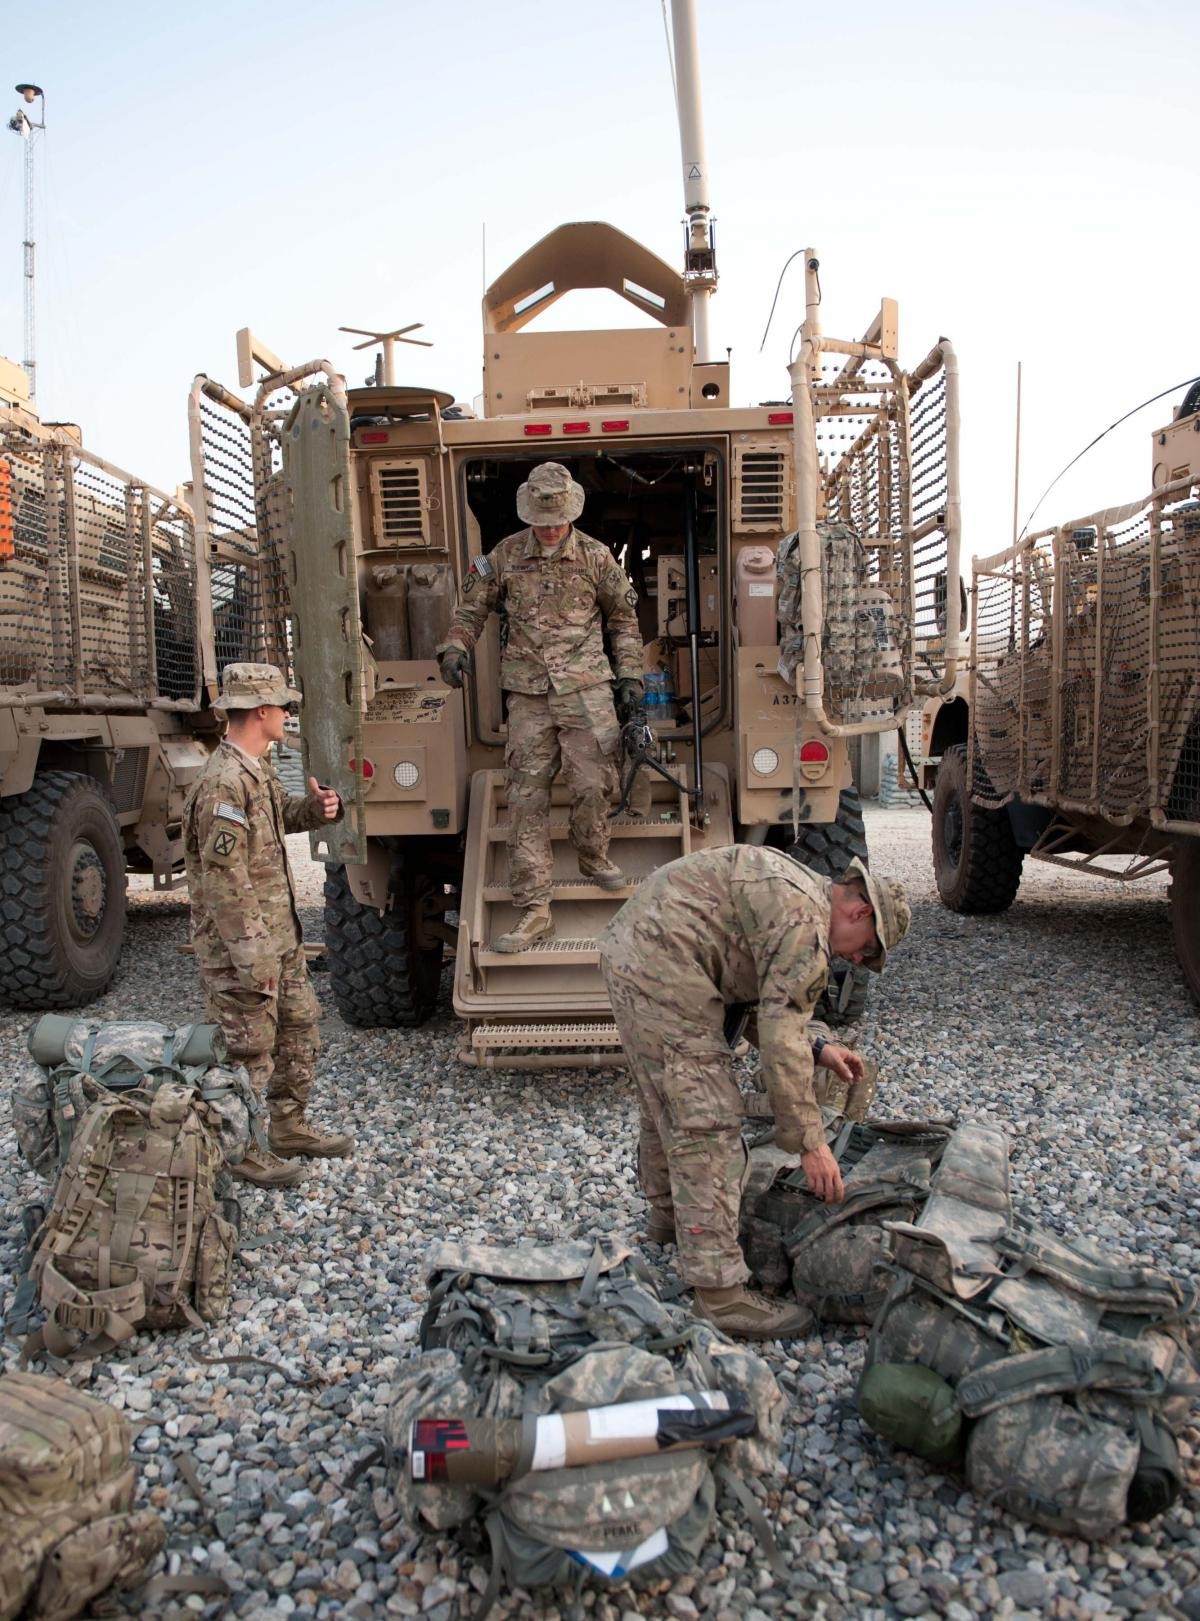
[{"x": 27, "y": 128}]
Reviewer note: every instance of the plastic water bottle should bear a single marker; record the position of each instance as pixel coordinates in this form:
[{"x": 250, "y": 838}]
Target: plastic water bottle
[{"x": 660, "y": 698}]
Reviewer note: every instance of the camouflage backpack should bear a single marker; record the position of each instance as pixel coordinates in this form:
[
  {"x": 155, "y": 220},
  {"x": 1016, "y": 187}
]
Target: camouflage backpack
[
  {"x": 1053, "y": 1374},
  {"x": 68, "y": 1528},
  {"x": 830, "y": 1253},
  {"x": 512, "y": 1333},
  {"x": 138, "y": 1120}
]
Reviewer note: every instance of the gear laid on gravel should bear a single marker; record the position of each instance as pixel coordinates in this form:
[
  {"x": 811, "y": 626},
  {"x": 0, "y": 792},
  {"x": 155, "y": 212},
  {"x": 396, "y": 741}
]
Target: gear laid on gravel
[{"x": 1063, "y": 1019}]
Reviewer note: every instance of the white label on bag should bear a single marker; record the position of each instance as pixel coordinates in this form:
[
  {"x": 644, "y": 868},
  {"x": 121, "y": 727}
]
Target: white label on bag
[
  {"x": 758, "y": 589},
  {"x": 550, "y": 1445}
]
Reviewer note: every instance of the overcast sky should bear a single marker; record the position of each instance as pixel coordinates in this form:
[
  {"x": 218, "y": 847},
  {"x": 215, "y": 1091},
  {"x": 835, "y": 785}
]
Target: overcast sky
[{"x": 1021, "y": 177}]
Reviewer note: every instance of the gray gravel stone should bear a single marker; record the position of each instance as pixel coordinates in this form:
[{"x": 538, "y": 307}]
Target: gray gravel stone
[{"x": 1009, "y": 1019}]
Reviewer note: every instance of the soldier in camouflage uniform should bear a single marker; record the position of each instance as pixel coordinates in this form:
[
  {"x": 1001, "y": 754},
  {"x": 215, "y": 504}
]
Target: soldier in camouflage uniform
[
  {"x": 742, "y": 924},
  {"x": 557, "y": 591},
  {"x": 246, "y": 930}
]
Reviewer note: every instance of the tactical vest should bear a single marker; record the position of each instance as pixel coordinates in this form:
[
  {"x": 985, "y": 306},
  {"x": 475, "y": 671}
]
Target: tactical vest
[
  {"x": 1068, "y": 1371},
  {"x": 559, "y": 1329}
]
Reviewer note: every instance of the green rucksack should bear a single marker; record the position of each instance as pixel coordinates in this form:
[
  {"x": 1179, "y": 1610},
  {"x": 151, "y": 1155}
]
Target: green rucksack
[
  {"x": 1070, "y": 1371},
  {"x": 830, "y": 1254},
  {"x": 512, "y": 1333},
  {"x": 138, "y": 1121}
]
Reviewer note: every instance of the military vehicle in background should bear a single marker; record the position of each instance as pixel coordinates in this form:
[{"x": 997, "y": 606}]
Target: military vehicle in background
[
  {"x": 376, "y": 499},
  {"x": 1078, "y": 738},
  {"x": 107, "y": 665}
]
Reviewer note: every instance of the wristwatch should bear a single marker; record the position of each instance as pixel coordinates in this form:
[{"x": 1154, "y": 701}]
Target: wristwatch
[{"x": 818, "y": 1047}]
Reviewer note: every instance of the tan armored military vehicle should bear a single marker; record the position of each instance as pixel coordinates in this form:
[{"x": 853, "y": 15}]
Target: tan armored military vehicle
[
  {"x": 106, "y": 654},
  {"x": 377, "y": 499},
  {"x": 1079, "y": 735}
]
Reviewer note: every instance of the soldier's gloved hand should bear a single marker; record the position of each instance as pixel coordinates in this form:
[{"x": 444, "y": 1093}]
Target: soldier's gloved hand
[
  {"x": 451, "y": 666},
  {"x": 628, "y": 695}
]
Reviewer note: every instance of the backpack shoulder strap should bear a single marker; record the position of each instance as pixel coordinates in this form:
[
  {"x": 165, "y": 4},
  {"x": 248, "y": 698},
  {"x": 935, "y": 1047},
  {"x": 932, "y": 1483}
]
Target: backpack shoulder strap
[{"x": 1110, "y": 1363}]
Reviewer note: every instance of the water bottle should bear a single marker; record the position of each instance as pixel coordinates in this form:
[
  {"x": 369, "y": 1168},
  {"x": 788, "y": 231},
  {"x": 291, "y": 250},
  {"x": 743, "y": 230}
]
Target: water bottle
[{"x": 660, "y": 698}]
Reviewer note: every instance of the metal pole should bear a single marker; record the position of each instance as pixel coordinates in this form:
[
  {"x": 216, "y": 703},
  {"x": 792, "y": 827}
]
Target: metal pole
[
  {"x": 691, "y": 558},
  {"x": 700, "y": 261},
  {"x": 25, "y": 127},
  {"x": 1017, "y": 458}
]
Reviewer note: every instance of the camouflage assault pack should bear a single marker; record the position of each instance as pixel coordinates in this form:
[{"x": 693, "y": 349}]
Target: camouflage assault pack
[
  {"x": 830, "y": 1253},
  {"x": 68, "y": 1528},
  {"x": 860, "y": 646},
  {"x": 1060, "y": 1374},
  {"x": 138, "y": 1120},
  {"x": 541, "y": 1329}
]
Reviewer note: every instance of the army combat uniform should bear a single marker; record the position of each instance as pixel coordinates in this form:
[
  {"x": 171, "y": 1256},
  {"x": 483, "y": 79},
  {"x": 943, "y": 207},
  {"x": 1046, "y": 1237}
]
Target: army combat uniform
[
  {"x": 247, "y": 933},
  {"x": 556, "y": 604},
  {"x": 740, "y": 924}
]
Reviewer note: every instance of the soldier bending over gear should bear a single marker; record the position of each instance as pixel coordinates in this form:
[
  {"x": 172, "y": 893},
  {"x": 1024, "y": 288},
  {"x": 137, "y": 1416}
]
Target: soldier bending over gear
[
  {"x": 742, "y": 924},
  {"x": 245, "y": 926},
  {"x": 557, "y": 591}
]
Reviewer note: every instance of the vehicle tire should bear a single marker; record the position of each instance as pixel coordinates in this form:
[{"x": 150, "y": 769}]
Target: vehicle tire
[
  {"x": 380, "y": 972},
  {"x": 1184, "y": 897},
  {"x": 829, "y": 848},
  {"x": 62, "y": 892},
  {"x": 976, "y": 860}
]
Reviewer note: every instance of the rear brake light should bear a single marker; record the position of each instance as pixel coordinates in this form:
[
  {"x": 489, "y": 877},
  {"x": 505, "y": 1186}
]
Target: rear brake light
[
  {"x": 577, "y": 427},
  {"x": 366, "y": 770},
  {"x": 780, "y": 419},
  {"x": 373, "y": 437},
  {"x": 813, "y": 753},
  {"x": 534, "y": 430},
  {"x": 614, "y": 427}
]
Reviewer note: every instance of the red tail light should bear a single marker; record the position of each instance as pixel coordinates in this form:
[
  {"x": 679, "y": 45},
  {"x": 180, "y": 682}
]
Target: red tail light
[
  {"x": 373, "y": 436},
  {"x": 780, "y": 419},
  {"x": 366, "y": 770},
  {"x": 577, "y": 427},
  {"x": 614, "y": 427},
  {"x": 536, "y": 430},
  {"x": 813, "y": 753}
]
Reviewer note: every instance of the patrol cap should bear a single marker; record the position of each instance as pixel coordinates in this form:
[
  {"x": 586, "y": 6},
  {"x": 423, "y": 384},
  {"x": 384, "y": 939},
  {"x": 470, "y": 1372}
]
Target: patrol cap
[
  {"x": 246, "y": 686},
  {"x": 890, "y": 905},
  {"x": 549, "y": 496}
]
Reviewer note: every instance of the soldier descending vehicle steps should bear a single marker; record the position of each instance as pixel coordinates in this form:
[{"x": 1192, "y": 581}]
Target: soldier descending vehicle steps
[
  {"x": 245, "y": 926},
  {"x": 557, "y": 591},
  {"x": 742, "y": 924}
]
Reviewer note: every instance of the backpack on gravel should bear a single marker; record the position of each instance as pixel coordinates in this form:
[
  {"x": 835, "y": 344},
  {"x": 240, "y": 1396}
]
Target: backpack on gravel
[
  {"x": 829, "y": 1253},
  {"x": 68, "y": 1528},
  {"x": 1055, "y": 1375},
  {"x": 517, "y": 1333},
  {"x": 138, "y": 1120}
]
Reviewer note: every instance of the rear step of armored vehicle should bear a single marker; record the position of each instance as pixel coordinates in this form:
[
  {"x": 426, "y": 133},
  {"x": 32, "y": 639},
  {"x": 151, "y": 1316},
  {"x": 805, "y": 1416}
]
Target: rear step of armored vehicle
[{"x": 547, "y": 1007}]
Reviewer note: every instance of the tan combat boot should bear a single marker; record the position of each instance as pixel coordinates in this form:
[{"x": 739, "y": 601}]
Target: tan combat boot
[
  {"x": 660, "y": 1228},
  {"x": 534, "y": 924},
  {"x": 745, "y": 1315},
  {"x": 604, "y": 874},
  {"x": 291, "y": 1137},
  {"x": 266, "y": 1171}
]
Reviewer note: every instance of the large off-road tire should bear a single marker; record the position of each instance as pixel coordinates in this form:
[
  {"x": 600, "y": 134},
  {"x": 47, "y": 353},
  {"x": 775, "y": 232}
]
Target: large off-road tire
[
  {"x": 829, "y": 848},
  {"x": 62, "y": 892},
  {"x": 1185, "y": 910},
  {"x": 976, "y": 860},
  {"x": 381, "y": 970}
]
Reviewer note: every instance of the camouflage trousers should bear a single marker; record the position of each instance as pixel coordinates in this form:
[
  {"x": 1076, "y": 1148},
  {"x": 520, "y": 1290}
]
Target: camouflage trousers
[
  {"x": 575, "y": 733},
  {"x": 692, "y": 1162},
  {"x": 274, "y": 1034}
]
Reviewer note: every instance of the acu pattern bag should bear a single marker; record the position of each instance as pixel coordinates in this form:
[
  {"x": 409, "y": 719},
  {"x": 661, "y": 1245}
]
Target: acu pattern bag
[
  {"x": 1064, "y": 1372},
  {"x": 830, "y": 1253},
  {"x": 139, "y": 1120},
  {"x": 68, "y": 1528},
  {"x": 533, "y": 1330}
]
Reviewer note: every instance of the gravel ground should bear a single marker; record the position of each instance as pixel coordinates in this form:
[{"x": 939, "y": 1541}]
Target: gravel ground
[{"x": 1065, "y": 1020}]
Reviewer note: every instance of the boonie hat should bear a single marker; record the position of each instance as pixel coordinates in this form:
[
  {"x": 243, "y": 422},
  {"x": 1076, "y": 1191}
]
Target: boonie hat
[
  {"x": 246, "y": 686},
  {"x": 549, "y": 496},
  {"x": 893, "y": 914}
]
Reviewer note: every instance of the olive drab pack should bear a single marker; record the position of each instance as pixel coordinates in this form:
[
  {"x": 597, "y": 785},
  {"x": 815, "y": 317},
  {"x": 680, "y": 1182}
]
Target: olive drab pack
[
  {"x": 556, "y": 1329},
  {"x": 1069, "y": 1371},
  {"x": 138, "y": 1120},
  {"x": 830, "y": 1253},
  {"x": 862, "y": 634},
  {"x": 68, "y": 1528}
]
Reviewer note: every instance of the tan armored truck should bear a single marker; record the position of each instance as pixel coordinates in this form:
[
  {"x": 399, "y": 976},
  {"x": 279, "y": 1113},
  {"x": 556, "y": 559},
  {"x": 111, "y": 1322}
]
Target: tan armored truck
[
  {"x": 1079, "y": 734},
  {"x": 106, "y": 664},
  {"x": 376, "y": 500}
]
